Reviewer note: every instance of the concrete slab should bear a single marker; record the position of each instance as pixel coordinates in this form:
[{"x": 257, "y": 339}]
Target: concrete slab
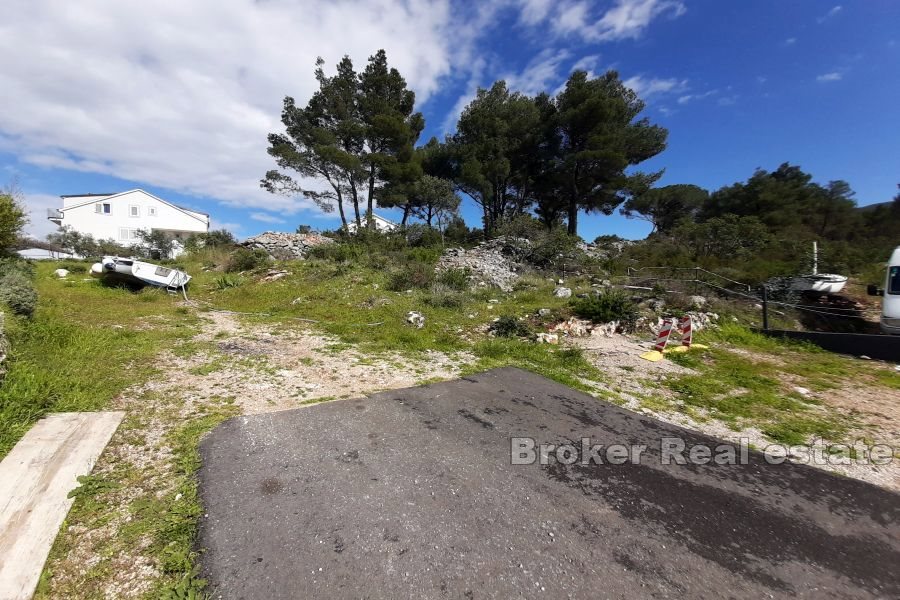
[
  {"x": 35, "y": 480},
  {"x": 412, "y": 494}
]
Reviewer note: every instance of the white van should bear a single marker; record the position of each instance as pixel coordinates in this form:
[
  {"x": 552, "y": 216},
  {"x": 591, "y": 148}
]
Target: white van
[{"x": 890, "y": 305}]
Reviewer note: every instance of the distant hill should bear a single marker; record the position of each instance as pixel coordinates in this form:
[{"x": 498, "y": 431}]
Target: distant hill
[{"x": 870, "y": 207}]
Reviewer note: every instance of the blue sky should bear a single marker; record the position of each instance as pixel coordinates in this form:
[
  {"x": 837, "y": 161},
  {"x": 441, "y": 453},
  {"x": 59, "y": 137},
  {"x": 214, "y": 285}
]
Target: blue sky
[{"x": 178, "y": 99}]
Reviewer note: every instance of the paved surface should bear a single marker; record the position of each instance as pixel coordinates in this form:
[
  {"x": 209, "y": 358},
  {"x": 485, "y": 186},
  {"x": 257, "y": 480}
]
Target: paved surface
[
  {"x": 411, "y": 494},
  {"x": 35, "y": 480}
]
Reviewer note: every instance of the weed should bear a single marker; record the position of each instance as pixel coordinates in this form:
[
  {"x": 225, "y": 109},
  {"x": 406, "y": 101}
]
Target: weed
[
  {"x": 246, "y": 259},
  {"x": 509, "y": 326},
  {"x": 609, "y": 305}
]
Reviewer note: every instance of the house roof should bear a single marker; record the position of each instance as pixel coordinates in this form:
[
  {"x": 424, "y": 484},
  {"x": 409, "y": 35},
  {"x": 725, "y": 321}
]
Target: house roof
[{"x": 110, "y": 196}]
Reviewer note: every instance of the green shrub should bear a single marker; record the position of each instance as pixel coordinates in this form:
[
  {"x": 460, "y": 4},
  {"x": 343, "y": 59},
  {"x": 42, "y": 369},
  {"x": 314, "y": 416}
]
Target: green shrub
[
  {"x": 508, "y": 326},
  {"x": 17, "y": 292},
  {"x": 457, "y": 279},
  {"x": 245, "y": 259},
  {"x": 74, "y": 267},
  {"x": 413, "y": 275},
  {"x": 610, "y": 305},
  {"x": 443, "y": 296},
  {"x": 226, "y": 281}
]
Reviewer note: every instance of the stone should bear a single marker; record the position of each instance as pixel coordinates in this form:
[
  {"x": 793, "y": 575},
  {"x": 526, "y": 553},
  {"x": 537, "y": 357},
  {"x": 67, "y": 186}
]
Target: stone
[
  {"x": 275, "y": 275},
  {"x": 547, "y": 338},
  {"x": 61, "y": 273},
  {"x": 543, "y": 312},
  {"x": 562, "y": 292},
  {"x": 697, "y": 302},
  {"x": 283, "y": 246},
  {"x": 416, "y": 319},
  {"x": 802, "y": 390},
  {"x": 492, "y": 262},
  {"x": 574, "y": 328}
]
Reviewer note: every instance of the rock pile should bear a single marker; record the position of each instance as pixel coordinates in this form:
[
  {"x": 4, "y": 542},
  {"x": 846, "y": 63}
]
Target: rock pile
[
  {"x": 490, "y": 263},
  {"x": 285, "y": 246}
]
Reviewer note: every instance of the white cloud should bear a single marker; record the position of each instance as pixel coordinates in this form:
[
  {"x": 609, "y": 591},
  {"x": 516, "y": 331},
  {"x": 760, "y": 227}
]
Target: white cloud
[
  {"x": 534, "y": 11},
  {"x": 790, "y": 41},
  {"x": 728, "y": 100},
  {"x": 648, "y": 87},
  {"x": 835, "y": 10},
  {"x": 833, "y": 76},
  {"x": 181, "y": 95},
  {"x": 626, "y": 19},
  {"x": 540, "y": 73},
  {"x": 691, "y": 97},
  {"x": 265, "y": 218},
  {"x": 36, "y": 206}
]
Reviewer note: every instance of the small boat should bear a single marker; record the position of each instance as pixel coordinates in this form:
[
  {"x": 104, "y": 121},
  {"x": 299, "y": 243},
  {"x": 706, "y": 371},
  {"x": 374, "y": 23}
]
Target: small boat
[
  {"x": 818, "y": 283},
  {"x": 135, "y": 272}
]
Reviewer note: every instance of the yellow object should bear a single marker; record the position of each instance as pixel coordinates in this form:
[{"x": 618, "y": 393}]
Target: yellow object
[
  {"x": 652, "y": 356},
  {"x": 678, "y": 349}
]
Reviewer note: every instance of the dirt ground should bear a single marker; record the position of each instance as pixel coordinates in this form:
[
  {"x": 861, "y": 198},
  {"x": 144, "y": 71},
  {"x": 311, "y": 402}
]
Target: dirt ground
[{"x": 253, "y": 369}]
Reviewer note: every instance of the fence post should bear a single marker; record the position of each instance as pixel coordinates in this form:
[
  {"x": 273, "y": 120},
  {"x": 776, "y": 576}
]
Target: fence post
[{"x": 765, "y": 308}]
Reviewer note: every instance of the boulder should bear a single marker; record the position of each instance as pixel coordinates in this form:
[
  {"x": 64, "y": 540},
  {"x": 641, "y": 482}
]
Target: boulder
[
  {"x": 415, "y": 319},
  {"x": 562, "y": 292},
  {"x": 61, "y": 273}
]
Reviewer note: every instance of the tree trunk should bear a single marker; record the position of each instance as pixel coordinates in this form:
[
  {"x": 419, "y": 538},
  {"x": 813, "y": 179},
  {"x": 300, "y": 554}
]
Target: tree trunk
[
  {"x": 355, "y": 197},
  {"x": 573, "y": 217},
  {"x": 428, "y": 220},
  {"x": 406, "y": 211},
  {"x": 370, "y": 221},
  {"x": 340, "y": 203}
]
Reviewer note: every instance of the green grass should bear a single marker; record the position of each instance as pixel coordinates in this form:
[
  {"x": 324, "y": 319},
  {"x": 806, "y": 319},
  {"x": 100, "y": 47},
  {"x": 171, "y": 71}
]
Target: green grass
[
  {"x": 84, "y": 345},
  {"x": 742, "y": 391}
]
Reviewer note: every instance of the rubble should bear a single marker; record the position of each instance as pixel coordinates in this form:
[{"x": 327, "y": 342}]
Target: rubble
[
  {"x": 275, "y": 275},
  {"x": 416, "y": 319},
  {"x": 493, "y": 262},
  {"x": 284, "y": 246},
  {"x": 562, "y": 292},
  {"x": 547, "y": 338}
]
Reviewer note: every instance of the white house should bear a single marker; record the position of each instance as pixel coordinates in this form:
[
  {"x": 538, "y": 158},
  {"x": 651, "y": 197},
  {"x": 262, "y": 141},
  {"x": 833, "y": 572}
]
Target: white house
[
  {"x": 120, "y": 216},
  {"x": 381, "y": 224}
]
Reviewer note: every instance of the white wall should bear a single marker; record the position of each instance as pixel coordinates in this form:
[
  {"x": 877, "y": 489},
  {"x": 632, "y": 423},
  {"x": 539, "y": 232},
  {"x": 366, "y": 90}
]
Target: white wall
[{"x": 120, "y": 225}]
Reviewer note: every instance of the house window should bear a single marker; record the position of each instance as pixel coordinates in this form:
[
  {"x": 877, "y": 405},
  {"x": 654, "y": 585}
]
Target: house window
[
  {"x": 134, "y": 211},
  {"x": 151, "y": 211},
  {"x": 126, "y": 234},
  {"x": 103, "y": 208}
]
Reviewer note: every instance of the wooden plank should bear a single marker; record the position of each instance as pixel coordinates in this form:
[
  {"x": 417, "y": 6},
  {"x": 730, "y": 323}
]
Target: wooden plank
[{"x": 35, "y": 479}]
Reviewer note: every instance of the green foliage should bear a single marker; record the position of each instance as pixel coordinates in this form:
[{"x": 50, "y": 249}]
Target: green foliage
[
  {"x": 455, "y": 279},
  {"x": 227, "y": 281},
  {"x": 356, "y": 135},
  {"x": 247, "y": 259},
  {"x": 13, "y": 218},
  {"x": 508, "y": 326},
  {"x": 218, "y": 238},
  {"x": 17, "y": 292},
  {"x": 413, "y": 275},
  {"x": 664, "y": 207},
  {"x": 609, "y": 305},
  {"x": 156, "y": 244},
  {"x": 441, "y": 295}
]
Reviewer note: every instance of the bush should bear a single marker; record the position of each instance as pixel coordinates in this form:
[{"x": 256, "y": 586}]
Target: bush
[
  {"x": 17, "y": 293},
  {"x": 610, "y": 305},
  {"x": 413, "y": 275},
  {"x": 508, "y": 326},
  {"x": 245, "y": 259},
  {"x": 457, "y": 279},
  {"x": 226, "y": 281},
  {"x": 443, "y": 296}
]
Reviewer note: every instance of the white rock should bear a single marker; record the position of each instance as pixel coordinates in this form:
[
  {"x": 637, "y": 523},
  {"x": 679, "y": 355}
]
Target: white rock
[
  {"x": 60, "y": 272},
  {"x": 562, "y": 292},
  {"x": 547, "y": 338},
  {"x": 543, "y": 312},
  {"x": 802, "y": 391},
  {"x": 415, "y": 318}
]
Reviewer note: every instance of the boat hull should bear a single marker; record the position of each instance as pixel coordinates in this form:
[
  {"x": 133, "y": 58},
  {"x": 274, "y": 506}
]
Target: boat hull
[
  {"x": 138, "y": 273},
  {"x": 819, "y": 284}
]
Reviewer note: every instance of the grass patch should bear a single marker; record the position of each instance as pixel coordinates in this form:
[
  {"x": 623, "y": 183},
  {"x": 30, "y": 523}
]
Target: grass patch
[
  {"x": 83, "y": 345},
  {"x": 740, "y": 391}
]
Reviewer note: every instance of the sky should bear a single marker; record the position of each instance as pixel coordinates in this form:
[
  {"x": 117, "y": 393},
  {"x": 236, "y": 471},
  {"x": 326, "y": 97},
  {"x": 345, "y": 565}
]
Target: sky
[{"x": 177, "y": 97}]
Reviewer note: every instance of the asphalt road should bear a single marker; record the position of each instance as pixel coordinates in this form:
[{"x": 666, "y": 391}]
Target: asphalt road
[{"x": 412, "y": 494}]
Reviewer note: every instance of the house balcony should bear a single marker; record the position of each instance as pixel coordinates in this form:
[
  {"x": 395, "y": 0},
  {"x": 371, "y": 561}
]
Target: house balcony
[{"x": 55, "y": 215}]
